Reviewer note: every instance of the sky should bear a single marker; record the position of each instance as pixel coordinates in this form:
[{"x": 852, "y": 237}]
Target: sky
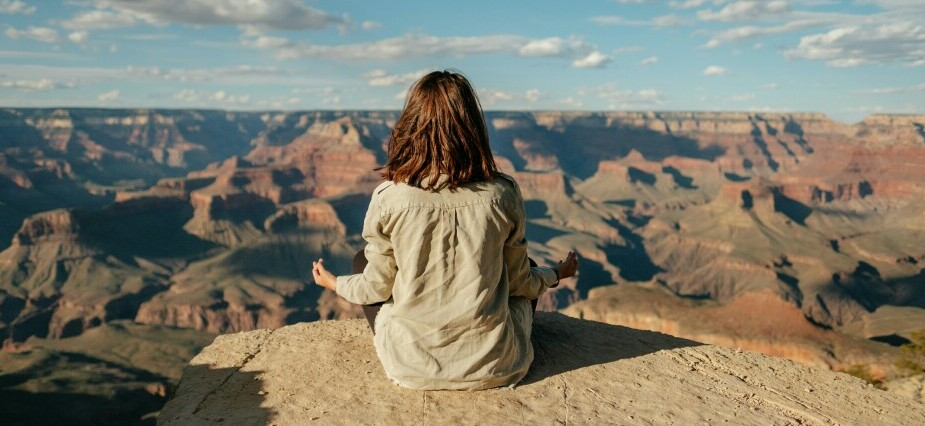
[{"x": 846, "y": 59}]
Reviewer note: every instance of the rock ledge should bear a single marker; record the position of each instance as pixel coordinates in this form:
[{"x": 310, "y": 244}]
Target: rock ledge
[{"x": 585, "y": 372}]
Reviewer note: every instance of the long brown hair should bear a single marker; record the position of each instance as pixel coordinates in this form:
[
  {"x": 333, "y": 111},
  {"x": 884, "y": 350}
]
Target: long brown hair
[{"x": 441, "y": 131}]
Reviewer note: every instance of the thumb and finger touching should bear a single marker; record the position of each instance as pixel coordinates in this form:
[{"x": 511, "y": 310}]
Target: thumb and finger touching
[
  {"x": 322, "y": 276},
  {"x": 569, "y": 266}
]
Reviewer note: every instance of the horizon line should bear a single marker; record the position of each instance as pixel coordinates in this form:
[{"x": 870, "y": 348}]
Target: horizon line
[{"x": 486, "y": 111}]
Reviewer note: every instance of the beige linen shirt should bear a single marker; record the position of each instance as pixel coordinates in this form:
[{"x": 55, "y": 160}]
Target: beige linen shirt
[{"x": 452, "y": 269}]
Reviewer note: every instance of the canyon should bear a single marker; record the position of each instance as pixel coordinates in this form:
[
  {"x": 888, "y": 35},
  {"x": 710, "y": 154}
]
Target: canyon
[{"x": 784, "y": 233}]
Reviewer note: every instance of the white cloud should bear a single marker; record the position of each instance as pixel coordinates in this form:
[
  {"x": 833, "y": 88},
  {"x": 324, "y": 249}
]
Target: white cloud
[
  {"x": 766, "y": 108},
  {"x": 490, "y": 97},
  {"x": 370, "y": 25},
  {"x": 279, "y": 103},
  {"x": 240, "y": 73},
  {"x": 649, "y": 61},
  {"x": 893, "y": 90},
  {"x": 230, "y": 99},
  {"x": 896, "y": 4},
  {"x": 421, "y": 45},
  {"x": 187, "y": 95},
  {"x": 13, "y": 7},
  {"x": 264, "y": 42},
  {"x": 79, "y": 37},
  {"x": 411, "y": 45},
  {"x": 594, "y": 59},
  {"x": 714, "y": 70},
  {"x": 229, "y": 78},
  {"x": 814, "y": 3},
  {"x": 554, "y": 47},
  {"x": 38, "y": 84},
  {"x": 669, "y": 21},
  {"x": 314, "y": 91},
  {"x": 109, "y": 96},
  {"x": 572, "y": 102},
  {"x": 100, "y": 20},
  {"x": 380, "y": 78},
  {"x": 151, "y": 37},
  {"x": 617, "y": 98},
  {"x": 738, "y": 34},
  {"x": 688, "y": 4},
  {"x": 745, "y": 97},
  {"x": 743, "y": 10},
  {"x": 43, "y": 34},
  {"x": 612, "y": 20},
  {"x": 658, "y": 21},
  {"x": 21, "y": 54},
  {"x": 627, "y": 49},
  {"x": 62, "y": 76},
  {"x": 329, "y": 96},
  {"x": 275, "y": 14},
  {"x": 883, "y": 91},
  {"x": 44, "y": 77},
  {"x": 205, "y": 98},
  {"x": 876, "y": 109},
  {"x": 896, "y": 41}
]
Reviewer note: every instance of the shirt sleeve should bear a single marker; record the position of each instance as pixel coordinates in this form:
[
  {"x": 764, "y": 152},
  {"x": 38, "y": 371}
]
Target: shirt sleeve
[
  {"x": 374, "y": 284},
  {"x": 523, "y": 280}
]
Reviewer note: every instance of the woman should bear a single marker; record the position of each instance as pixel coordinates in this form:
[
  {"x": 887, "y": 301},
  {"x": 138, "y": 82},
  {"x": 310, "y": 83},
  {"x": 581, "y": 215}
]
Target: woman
[{"x": 446, "y": 251}]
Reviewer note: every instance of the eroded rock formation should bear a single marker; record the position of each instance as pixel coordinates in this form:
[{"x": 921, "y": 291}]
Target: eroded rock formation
[{"x": 209, "y": 219}]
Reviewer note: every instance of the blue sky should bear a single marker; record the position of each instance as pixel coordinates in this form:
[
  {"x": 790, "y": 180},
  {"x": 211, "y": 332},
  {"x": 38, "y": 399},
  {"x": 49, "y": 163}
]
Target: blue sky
[{"x": 847, "y": 59}]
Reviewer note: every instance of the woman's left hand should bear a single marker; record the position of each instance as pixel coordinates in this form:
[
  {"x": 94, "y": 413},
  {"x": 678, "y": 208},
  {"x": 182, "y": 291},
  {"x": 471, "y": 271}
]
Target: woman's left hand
[
  {"x": 568, "y": 267},
  {"x": 322, "y": 276}
]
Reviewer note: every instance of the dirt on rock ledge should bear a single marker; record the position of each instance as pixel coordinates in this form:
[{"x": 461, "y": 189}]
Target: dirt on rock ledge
[{"x": 585, "y": 372}]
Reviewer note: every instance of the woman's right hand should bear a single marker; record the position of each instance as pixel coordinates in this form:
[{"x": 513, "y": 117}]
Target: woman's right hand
[
  {"x": 322, "y": 276},
  {"x": 568, "y": 267}
]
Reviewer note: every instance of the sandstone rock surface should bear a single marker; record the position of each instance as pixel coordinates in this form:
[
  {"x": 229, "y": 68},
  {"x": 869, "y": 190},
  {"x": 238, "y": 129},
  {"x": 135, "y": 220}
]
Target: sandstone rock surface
[
  {"x": 584, "y": 372},
  {"x": 912, "y": 387}
]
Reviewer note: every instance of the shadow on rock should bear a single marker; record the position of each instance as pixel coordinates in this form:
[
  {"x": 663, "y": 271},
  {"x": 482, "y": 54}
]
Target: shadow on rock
[
  {"x": 211, "y": 395},
  {"x": 562, "y": 343}
]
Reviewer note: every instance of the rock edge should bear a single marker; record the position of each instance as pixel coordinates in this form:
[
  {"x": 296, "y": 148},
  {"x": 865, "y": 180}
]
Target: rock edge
[{"x": 584, "y": 372}]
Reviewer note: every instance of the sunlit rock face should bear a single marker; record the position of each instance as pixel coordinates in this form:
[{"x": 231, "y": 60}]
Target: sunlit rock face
[
  {"x": 208, "y": 220},
  {"x": 583, "y": 371}
]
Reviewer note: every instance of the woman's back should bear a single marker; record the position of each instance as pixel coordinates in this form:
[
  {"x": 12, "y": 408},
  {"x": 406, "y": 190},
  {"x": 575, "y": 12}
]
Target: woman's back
[
  {"x": 451, "y": 322},
  {"x": 446, "y": 251}
]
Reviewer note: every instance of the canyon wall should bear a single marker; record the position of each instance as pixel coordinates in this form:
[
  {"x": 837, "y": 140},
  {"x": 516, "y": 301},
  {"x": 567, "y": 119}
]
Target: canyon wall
[{"x": 208, "y": 220}]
